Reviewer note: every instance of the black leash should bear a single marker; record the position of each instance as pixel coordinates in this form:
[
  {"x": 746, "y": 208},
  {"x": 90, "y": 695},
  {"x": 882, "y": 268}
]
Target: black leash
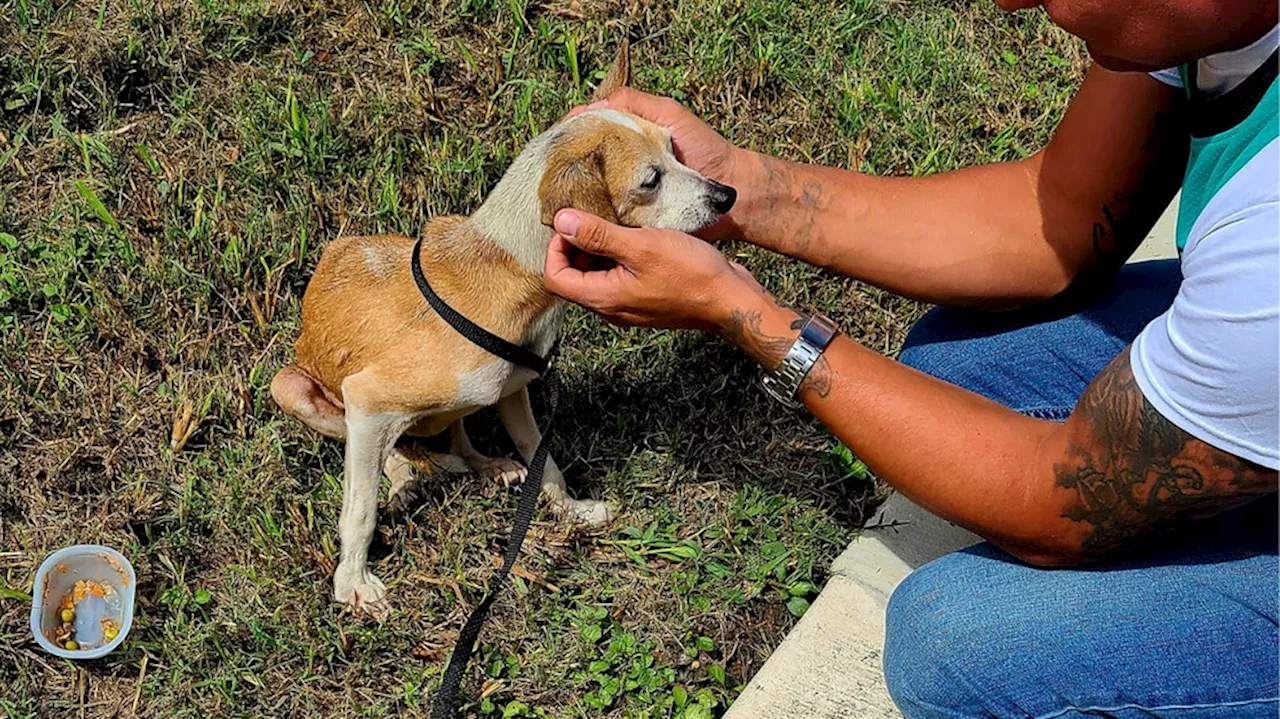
[{"x": 451, "y": 684}]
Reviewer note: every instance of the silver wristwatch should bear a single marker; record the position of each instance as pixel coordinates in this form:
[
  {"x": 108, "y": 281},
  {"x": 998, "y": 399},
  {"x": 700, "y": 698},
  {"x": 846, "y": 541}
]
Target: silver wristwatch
[{"x": 783, "y": 383}]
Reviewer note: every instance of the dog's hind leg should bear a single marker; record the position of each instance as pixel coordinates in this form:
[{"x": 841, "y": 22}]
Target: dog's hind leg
[
  {"x": 517, "y": 416},
  {"x": 404, "y": 484},
  {"x": 300, "y": 395},
  {"x": 508, "y": 471}
]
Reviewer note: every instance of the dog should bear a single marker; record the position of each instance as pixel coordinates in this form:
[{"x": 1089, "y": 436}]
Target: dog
[{"x": 374, "y": 362}]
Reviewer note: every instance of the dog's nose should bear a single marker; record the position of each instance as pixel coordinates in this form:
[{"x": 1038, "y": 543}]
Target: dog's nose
[{"x": 722, "y": 197}]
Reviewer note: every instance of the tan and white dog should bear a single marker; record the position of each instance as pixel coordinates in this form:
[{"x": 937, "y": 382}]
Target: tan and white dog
[{"x": 374, "y": 362}]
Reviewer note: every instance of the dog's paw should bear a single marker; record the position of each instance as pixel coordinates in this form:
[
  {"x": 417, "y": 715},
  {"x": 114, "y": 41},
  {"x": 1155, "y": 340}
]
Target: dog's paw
[
  {"x": 590, "y": 512},
  {"x": 448, "y": 463},
  {"x": 404, "y": 496},
  {"x": 362, "y": 592},
  {"x": 507, "y": 471}
]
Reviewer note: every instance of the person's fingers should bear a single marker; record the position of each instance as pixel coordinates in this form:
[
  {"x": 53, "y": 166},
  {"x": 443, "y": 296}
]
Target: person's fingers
[
  {"x": 594, "y": 235},
  {"x": 662, "y": 110},
  {"x": 1016, "y": 5},
  {"x": 597, "y": 105},
  {"x": 581, "y": 260},
  {"x": 590, "y": 288},
  {"x": 591, "y": 263},
  {"x": 560, "y": 266}
]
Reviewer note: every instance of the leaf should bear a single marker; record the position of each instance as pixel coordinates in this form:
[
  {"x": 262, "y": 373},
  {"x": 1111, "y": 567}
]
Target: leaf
[
  {"x": 7, "y": 593},
  {"x": 802, "y": 589},
  {"x": 592, "y": 633},
  {"x": 696, "y": 711},
  {"x": 96, "y": 205},
  {"x": 798, "y": 606},
  {"x": 8, "y": 241},
  {"x": 203, "y": 596},
  {"x": 773, "y": 549},
  {"x": 706, "y": 698},
  {"x": 679, "y": 552},
  {"x": 706, "y": 644},
  {"x": 717, "y": 672},
  {"x": 680, "y": 696},
  {"x": 1009, "y": 57},
  {"x": 634, "y": 556},
  {"x": 717, "y": 570}
]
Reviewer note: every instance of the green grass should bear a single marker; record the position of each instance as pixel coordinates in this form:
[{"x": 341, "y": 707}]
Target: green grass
[{"x": 170, "y": 171}]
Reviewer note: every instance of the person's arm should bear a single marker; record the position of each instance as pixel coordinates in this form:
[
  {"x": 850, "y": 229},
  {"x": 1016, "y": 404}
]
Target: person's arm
[
  {"x": 995, "y": 235},
  {"x": 1048, "y": 493}
]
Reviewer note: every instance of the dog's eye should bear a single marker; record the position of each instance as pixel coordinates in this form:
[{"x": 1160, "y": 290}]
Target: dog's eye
[{"x": 652, "y": 179}]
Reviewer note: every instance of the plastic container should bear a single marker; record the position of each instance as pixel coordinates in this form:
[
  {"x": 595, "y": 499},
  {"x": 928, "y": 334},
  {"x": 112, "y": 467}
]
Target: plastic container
[{"x": 57, "y": 578}]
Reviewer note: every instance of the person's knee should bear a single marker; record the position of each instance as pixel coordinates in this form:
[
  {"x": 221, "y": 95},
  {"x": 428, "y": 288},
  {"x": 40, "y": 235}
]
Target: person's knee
[
  {"x": 942, "y": 344},
  {"x": 936, "y": 633},
  {"x": 919, "y": 349}
]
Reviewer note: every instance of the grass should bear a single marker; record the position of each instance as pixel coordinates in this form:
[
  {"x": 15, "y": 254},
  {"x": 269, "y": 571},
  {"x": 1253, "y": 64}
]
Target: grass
[{"x": 170, "y": 171}]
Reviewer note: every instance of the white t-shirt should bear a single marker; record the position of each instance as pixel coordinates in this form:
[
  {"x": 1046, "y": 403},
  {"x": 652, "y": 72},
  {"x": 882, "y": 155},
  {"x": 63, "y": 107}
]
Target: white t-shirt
[
  {"x": 1211, "y": 363},
  {"x": 1221, "y": 73}
]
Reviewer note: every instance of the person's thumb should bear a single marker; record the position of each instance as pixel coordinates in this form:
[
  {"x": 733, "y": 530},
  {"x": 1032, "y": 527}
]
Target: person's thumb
[{"x": 592, "y": 234}]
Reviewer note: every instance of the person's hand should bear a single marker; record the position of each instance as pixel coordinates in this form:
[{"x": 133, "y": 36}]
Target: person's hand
[
  {"x": 696, "y": 145},
  {"x": 658, "y": 278},
  {"x": 1016, "y": 5}
]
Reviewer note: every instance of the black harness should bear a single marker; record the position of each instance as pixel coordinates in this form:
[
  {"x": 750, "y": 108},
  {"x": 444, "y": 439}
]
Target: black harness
[{"x": 450, "y": 685}]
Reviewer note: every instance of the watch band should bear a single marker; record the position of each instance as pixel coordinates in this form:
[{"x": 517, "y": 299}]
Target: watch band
[{"x": 784, "y": 382}]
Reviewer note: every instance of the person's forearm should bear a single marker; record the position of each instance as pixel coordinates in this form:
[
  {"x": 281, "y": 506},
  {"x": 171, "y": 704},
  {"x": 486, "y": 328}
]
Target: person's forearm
[
  {"x": 970, "y": 237},
  {"x": 1049, "y": 493},
  {"x": 957, "y": 454},
  {"x": 995, "y": 235}
]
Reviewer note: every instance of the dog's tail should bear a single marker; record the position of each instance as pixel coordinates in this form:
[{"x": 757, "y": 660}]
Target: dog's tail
[{"x": 619, "y": 76}]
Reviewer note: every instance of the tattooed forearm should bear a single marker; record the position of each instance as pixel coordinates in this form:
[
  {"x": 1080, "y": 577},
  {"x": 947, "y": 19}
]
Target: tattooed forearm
[
  {"x": 744, "y": 331},
  {"x": 792, "y": 204},
  {"x": 1133, "y": 472}
]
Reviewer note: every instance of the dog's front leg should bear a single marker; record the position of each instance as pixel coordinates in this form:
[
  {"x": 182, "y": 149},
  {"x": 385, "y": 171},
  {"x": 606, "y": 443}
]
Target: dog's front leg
[
  {"x": 370, "y": 436},
  {"x": 517, "y": 417}
]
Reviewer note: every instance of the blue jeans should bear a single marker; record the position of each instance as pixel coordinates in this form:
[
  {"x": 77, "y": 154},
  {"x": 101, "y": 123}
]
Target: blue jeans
[{"x": 1186, "y": 629}]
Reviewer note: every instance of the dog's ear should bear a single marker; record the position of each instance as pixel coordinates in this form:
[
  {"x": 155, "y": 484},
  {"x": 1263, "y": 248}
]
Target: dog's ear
[
  {"x": 577, "y": 182},
  {"x": 619, "y": 76}
]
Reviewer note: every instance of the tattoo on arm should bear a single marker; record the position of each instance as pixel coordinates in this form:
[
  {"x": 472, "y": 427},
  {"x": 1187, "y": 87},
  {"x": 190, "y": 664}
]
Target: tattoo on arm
[
  {"x": 1133, "y": 472},
  {"x": 744, "y": 331},
  {"x": 790, "y": 221},
  {"x": 1124, "y": 221}
]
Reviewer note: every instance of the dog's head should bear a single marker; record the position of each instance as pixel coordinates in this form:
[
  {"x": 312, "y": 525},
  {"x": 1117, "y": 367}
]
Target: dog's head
[{"x": 622, "y": 168}]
